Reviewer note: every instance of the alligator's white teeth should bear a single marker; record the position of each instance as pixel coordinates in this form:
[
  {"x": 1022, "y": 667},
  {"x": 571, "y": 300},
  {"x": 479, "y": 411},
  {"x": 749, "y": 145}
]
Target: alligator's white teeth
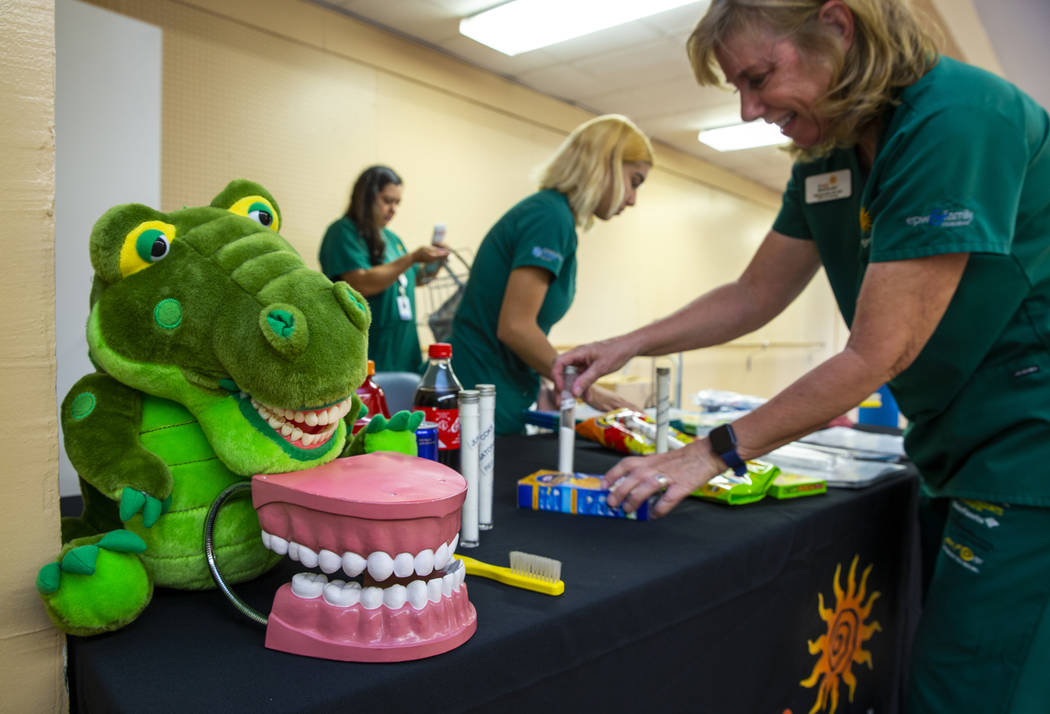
[
  {"x": 344, "y": 408},
  {"x": 310, "y": 418},
  {"x": 298, "y": 416},
  {"x": 274, "y": 422},
  {"x": 263, "y": 412},
  {"x": 371, "y": 598},
  {"x": 353, "y": 564},
  {"x": 322, "y": 417},
  {"x": 380, "y": 565},
  {"x": 395, "y": 596},
  {"x": 441, "y": 557},
  {"x": 334, "y": 416},
  {"x": 308, "y": 585},
  {"x": 307, "y": 439},
  {"x": 328, "y": 561},
  {"x": 266, "y": 540},
  {"x": 434, "y": 589},
  {"x": 417, "y": 594},
  {"x": 296, "y": 433},
  {"x": 404, "y": 565},
  {"x": 286, "y": 429},
  {"x": 307, "y": 557},
  {"x": 424, "y": 562},
  {"x": 342, "y": 594},
  {"x": 278, "y": 545}
]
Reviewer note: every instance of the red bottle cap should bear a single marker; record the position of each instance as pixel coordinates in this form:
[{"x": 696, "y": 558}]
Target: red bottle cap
[{"x": 440, "y": 350}]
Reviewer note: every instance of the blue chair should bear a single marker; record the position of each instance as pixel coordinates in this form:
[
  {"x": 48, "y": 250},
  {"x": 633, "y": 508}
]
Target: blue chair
[{"x": 398, "y": 388}]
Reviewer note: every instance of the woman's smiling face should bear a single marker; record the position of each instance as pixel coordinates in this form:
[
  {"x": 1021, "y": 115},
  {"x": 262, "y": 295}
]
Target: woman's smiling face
[{"x": 776, "y": 81}]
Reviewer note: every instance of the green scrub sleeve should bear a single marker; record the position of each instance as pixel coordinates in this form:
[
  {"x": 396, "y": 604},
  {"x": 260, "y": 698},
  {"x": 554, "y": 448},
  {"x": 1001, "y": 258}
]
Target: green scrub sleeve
[
  {"x": 545, "y": 240},
  {"x": 948, "y": 189},
  {"x": 790, "y": 220}
]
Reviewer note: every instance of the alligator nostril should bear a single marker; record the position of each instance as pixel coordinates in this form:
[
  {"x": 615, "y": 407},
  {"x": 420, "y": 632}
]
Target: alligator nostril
[
  {"x": 286, "y": 329},
  {"x": 281, "y": 322}
]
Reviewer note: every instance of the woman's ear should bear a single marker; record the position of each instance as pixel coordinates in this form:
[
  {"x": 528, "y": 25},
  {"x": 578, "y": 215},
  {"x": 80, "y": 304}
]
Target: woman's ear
[{"x": 836, "y": 16}]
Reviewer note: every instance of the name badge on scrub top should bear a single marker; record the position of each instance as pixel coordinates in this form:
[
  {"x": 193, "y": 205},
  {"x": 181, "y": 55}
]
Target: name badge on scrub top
[
  {"x": 829, "y": 187},
  {"x": 404, "y": 307}
]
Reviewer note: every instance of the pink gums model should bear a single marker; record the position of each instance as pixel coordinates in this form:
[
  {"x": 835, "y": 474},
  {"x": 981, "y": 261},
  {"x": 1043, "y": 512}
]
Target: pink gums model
[{"x": 391, "y": 519}]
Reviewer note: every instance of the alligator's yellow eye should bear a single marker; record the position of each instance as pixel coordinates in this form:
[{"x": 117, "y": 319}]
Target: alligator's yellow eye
[
  {"x": 147, "y": 243},
  {"x": 258, "y": 209}
]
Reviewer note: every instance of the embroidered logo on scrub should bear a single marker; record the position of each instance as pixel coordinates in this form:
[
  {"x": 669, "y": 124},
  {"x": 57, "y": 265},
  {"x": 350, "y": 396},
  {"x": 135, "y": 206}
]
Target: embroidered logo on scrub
[
  {"x": 546, "y": 254},
  {"x": 943, "y": 218},
  {"x": 842, "y": 645}
]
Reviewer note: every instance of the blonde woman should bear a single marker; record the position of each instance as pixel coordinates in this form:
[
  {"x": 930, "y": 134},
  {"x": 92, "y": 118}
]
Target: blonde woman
[
  {"x": 524, "y": 275},
  {"x": 921, "y": 189}
]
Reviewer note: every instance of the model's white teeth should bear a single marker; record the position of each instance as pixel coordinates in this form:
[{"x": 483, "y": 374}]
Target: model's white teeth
[
  {"x": 353, "y": 564},
  {"x": 441, "y": 557},
  {"x": 371, "y": 598},
  {"x": 417, "y": 594},
  {"x": 308, "y": 585},
  {"x": 328, "y": 561},
  {"x": 434, "y": 590},
  {"x": 341, "y": 593},
  {"x": 447, "y": 571},
  {"x": 784, "y": 121},
  {"x": 424, "y": 562},
  {"x": 395, "y": 596},
  {"x": 404, "y": 565},
  {"x": 285, "y": 421},
  {"x": 380, "y": 566}
]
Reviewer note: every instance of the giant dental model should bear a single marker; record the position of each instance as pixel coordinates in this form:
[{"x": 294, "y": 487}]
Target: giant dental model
[{"x": 387, "y": 524}]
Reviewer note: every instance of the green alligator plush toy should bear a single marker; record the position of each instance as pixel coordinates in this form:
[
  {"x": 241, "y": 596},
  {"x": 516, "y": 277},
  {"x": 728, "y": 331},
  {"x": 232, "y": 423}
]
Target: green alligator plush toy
[{"x": 220, "y": 355}]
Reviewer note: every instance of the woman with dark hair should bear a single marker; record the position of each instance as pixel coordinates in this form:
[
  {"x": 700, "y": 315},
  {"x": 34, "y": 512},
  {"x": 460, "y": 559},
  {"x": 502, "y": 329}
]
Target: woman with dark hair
[{"x": 361, "y": 250}]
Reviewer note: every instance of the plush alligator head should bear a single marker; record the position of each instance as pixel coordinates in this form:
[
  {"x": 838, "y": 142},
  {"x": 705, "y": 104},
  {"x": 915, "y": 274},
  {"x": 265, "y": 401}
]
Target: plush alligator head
[{"x": 211, "y": 308}]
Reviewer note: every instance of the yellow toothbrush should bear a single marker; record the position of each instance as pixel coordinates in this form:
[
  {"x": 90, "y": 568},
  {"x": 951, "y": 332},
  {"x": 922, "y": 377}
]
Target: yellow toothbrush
[{"x": 527, "y": 571}]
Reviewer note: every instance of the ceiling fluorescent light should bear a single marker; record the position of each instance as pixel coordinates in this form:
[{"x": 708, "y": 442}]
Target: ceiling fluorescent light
[
  {"x": 743, "y": 136},
  {"x": 523, "y": 25}
]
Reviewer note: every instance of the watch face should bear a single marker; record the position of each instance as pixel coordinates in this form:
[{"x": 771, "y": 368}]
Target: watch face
[{"x": 722, "y": 439}]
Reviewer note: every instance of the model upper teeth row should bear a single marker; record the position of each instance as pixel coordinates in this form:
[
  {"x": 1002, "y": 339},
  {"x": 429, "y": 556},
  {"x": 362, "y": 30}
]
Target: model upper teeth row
[
  {"x": 379, "y": 565},
  {"x": 314, "y": 417},
  {"x": 347, "y": 594}
]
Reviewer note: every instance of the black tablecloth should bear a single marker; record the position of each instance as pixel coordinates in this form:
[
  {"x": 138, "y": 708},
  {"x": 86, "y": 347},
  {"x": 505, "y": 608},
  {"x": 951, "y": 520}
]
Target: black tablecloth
[{"x": 712, "y": 609}]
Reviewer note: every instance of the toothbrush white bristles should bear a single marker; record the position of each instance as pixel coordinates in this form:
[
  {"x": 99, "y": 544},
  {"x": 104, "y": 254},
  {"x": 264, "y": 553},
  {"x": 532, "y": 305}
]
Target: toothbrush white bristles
[{"x": 536, "y": 566}]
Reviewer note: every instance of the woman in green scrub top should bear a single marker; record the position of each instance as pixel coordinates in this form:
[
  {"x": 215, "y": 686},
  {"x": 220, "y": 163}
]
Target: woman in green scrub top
[
  {"x": 922, "y": 187},
  {"x": 361, "y": 250},
  {"x": 523, "y": 279}
]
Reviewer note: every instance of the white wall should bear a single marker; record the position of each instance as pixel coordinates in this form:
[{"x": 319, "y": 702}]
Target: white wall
[{"x": 107, "y": 151}]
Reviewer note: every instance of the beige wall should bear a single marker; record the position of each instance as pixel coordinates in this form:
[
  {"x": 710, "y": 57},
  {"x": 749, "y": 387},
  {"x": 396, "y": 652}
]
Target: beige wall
[
  {"x": 30, "y": 649},
  {"x": 302, "y": 98}
]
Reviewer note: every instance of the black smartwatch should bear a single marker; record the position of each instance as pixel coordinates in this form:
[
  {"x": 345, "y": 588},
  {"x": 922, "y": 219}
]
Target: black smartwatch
[{"x": 723, "y": 443}]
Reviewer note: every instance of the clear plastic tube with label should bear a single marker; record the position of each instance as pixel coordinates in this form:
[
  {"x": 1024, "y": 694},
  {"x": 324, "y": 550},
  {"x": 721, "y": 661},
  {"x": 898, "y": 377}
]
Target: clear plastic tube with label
[
  {"x": 486, "y": 454},
  {"x": 663, "y": 407}
]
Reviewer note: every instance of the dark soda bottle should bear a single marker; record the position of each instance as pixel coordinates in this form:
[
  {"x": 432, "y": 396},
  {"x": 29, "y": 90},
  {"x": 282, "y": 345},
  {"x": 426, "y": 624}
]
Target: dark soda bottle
[
  {"x": 437, "y": 396},
  {"x": 372, "y": 395}
]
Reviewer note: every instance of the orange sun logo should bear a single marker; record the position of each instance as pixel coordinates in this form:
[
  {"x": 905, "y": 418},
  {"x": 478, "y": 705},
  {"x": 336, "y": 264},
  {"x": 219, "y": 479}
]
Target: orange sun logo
[{"x": 841, "y": 646}]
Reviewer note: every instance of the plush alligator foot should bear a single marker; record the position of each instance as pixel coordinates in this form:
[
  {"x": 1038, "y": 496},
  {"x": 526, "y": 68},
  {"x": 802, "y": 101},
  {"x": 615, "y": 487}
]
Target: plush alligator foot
[
  {"x": 97, "y": 584},
  {"x": 397, "y": 434}
]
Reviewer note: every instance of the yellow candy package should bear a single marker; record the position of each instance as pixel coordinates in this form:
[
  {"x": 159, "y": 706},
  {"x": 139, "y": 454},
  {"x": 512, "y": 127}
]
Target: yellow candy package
[{"x": 628, "y": 431}]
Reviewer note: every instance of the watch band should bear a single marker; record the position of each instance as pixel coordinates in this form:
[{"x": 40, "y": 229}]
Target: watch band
[{"x": 723, "y": 443}]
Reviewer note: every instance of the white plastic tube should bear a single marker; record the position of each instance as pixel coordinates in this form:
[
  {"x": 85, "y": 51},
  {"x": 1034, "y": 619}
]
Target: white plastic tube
[
  {"x": 469, "y": 427},
  {"x": 567, "y": 423}
]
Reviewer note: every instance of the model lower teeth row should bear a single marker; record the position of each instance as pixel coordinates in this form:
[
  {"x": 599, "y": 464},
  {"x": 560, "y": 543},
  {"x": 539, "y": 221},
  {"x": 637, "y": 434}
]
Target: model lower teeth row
[
  {"x": 347, "y": 594},
  {"x": 379, "y": 565}
]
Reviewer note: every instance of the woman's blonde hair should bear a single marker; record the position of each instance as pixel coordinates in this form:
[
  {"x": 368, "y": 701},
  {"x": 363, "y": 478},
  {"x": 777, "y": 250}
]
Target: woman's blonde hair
[
  {"x": 891, "y": 49},
  {"x": 591, "y": 158}
]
